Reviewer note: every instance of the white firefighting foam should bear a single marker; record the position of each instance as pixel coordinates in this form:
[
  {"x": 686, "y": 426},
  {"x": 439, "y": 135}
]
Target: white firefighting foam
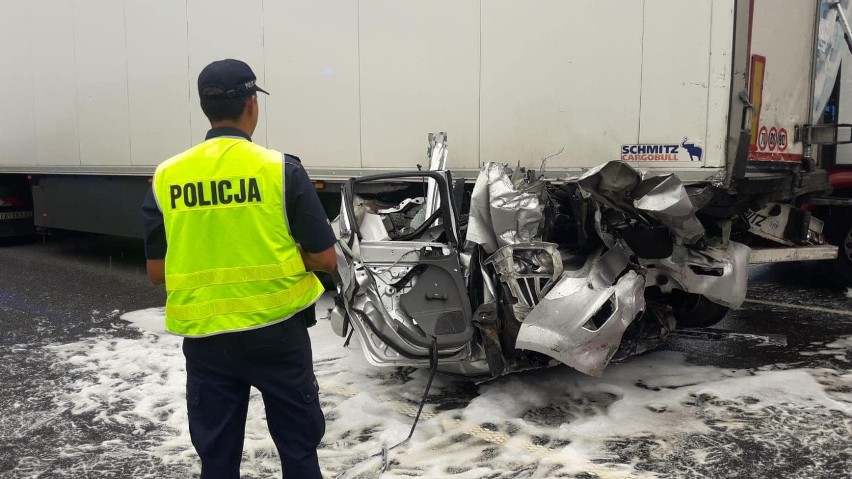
[{"x": 656, "y": 414}]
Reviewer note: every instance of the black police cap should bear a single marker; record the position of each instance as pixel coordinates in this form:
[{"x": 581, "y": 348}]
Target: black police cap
[{"x": 230, "y": 79}]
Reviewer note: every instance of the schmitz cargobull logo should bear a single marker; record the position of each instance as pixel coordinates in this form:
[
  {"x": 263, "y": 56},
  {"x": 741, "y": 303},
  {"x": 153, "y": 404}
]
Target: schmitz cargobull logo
[{"x": 685, "y": 151}]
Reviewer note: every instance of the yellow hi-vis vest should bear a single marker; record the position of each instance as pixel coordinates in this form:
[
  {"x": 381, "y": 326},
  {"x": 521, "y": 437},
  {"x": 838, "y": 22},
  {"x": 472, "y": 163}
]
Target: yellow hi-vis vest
[{"x": 231, "y": 263}]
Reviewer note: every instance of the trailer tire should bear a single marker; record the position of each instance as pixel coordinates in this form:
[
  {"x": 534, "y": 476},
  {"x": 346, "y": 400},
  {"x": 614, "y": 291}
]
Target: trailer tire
[
  {"x": 839, "y": 232},
  {"x": 699, "y": 312}
]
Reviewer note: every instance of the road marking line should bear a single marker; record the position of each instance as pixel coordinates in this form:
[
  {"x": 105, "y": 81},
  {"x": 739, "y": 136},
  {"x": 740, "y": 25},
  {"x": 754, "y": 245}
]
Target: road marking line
[{"x": 818, "y": 309}]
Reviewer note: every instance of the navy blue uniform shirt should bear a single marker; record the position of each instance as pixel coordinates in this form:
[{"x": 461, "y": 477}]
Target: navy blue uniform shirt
[{"x": 305, "y": 214}]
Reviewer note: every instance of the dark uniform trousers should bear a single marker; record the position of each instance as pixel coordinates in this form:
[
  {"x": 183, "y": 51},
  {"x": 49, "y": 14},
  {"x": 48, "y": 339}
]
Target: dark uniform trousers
[{"x": 277, "y": 361}]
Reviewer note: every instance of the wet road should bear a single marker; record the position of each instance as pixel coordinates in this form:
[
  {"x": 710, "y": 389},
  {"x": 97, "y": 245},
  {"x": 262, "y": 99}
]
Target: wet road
[
  {"x": 69, "y": 287},
  {"x": 768, "y": 393}
]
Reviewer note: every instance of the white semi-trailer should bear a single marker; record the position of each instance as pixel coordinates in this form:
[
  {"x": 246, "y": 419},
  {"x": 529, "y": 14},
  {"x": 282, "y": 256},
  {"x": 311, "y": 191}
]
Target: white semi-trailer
[{"x": 98, "y": 92}]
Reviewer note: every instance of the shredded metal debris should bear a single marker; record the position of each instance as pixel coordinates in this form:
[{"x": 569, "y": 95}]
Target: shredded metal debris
[{"x": 519, "y": 272}]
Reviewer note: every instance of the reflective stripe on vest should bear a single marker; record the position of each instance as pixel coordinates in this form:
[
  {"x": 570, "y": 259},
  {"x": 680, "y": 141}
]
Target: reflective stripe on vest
[
  {"x": 189, "y": 312},
  {"x": 291, "y": 267},
  {"x": 231, "y": 263}
]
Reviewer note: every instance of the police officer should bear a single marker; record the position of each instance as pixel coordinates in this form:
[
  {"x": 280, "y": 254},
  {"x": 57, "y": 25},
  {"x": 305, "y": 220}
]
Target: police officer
[{"x": 234, "y": 230}]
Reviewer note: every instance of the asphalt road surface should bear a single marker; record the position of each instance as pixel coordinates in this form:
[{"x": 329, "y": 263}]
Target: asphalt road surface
[{"x": 85, "y": 393}]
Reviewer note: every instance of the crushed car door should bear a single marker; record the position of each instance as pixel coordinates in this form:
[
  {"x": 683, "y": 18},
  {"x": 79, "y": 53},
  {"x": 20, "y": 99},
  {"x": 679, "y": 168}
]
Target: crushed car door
[{"x": 400, "y": 280}]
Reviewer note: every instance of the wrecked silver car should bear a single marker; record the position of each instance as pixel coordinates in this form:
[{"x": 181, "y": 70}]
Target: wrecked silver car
[{"x": 518, "y": 272}]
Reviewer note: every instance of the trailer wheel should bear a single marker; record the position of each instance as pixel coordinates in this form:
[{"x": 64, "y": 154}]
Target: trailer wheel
[
  {"x": 839, "y": 233},
  {"x": 699, "y": 312}
]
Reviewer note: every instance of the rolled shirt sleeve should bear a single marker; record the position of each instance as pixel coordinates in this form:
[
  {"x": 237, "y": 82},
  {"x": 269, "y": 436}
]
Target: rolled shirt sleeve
[
  {"x": 154, "y": 228},
  {"x": 305, "y": 214}
]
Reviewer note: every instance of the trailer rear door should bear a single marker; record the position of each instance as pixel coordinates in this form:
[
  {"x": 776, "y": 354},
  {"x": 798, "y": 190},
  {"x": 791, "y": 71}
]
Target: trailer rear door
[{"x": 780, "y": 80}]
